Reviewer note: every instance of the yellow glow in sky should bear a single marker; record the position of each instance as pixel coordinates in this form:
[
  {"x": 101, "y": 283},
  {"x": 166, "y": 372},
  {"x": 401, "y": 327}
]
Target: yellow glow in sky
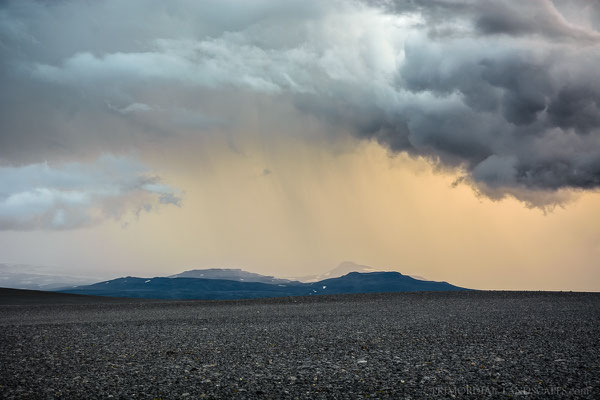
[{"x": 294, "y": 209}]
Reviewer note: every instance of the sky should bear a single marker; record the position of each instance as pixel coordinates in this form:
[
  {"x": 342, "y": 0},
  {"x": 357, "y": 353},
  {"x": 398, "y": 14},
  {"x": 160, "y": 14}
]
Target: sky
[{"x": 457, "y": 140}]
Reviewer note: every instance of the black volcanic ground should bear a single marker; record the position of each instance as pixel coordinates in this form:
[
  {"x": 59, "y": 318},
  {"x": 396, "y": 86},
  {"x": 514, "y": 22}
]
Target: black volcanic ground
[{"x": 417, "y": 345}]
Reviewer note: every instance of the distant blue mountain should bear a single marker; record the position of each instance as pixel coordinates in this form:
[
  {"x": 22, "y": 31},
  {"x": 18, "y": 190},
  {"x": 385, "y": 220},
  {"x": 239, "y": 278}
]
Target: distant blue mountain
[
  {"x": 221, "y": 289},
  {"x": 187, "y": 288},
  {"x": 378, "y": 282},
  {"x": 229, "y": 274}
]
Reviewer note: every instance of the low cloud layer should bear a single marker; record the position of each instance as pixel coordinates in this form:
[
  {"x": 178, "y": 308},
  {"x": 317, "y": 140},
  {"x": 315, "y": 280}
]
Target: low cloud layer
[
  {"x": 507, "y": 93},
  {"x": 74, "y": 195}
]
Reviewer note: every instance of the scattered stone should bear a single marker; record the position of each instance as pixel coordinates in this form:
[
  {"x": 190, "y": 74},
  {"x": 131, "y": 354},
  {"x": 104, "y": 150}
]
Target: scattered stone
[{"x": 413, "y": 345}]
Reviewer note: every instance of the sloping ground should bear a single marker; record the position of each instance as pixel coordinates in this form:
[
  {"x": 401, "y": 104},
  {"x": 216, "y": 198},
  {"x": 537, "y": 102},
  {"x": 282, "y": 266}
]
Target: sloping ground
[
  {"x": 406, "y": 345},
  {"x": 188, "y": 288},
  {"x": 24, "y": 297},
  {"x": 219, "y": 289},
  {"x": 379, "y": 282}
]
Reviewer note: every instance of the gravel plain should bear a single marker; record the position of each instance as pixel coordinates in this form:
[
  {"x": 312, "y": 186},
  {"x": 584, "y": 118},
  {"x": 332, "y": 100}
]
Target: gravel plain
[{"x": 398, "y": 345}]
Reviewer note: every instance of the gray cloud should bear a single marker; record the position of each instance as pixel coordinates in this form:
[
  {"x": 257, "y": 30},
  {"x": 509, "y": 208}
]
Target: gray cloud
[
  {"x": 505, "y": 91},
  {"x": 532, "y": 17},
  {"x": 74, "y": 195}
]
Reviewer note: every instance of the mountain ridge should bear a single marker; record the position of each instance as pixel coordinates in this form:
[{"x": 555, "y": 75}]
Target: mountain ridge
[
  {"x": 222, "y": 289},
  {"x": 344, "y": 268},
  {"x": 22, "y": 276},
  {"x": 235, "y": 274}
]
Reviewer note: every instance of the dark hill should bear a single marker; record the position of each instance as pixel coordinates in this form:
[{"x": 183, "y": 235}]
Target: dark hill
[
  {"x": 188, "y": 288},
  {"x": 9, "y": 296},
  {"x": 220, "y": 289},
  {"x": 230, "y": 274},
  {"x": 374, "y": 282}
]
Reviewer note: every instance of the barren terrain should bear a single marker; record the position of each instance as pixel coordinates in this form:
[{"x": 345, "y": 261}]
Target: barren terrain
[{"x": 412, "y": 345}]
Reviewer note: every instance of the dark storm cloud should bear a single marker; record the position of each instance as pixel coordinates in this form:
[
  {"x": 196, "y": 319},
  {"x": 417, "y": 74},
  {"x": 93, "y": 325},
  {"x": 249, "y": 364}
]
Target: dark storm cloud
[
  {"x": 505, "y": 91},
  {"x": 531, "y": 17}
]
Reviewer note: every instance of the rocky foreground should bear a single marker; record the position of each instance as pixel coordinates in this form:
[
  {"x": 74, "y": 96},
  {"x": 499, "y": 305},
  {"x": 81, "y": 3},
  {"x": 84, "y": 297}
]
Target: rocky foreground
[{"x": 410, "y": 345}]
